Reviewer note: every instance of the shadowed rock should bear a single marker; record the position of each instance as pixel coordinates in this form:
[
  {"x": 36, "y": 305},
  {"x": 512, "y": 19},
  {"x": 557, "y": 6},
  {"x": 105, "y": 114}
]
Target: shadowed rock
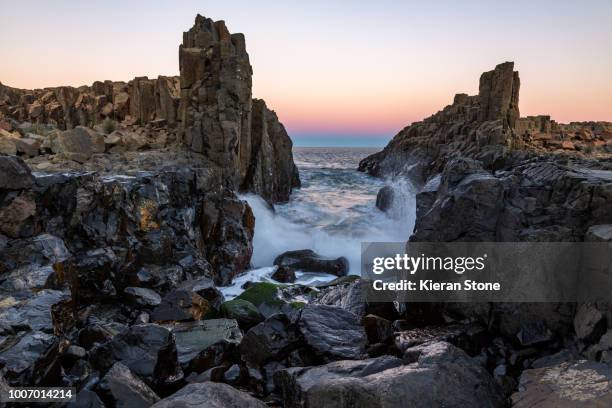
[
  {"x": 211, "y": 395},
  {"x": 308, "y": 261}
]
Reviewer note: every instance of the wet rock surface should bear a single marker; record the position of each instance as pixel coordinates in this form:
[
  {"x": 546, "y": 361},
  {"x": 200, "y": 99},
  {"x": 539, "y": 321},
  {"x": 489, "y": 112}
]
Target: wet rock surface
[
  {"x": 442, "y": 376},
  {"x": 307, "y": 260},
  {"x": 332, "y": 332}
]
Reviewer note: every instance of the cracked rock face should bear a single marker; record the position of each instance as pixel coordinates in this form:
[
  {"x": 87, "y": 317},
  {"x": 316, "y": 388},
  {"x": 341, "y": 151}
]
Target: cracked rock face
[
  {"x": 216, "y": 95},
  {"x": 442, "y": 376},
  {"x": 221, "y": 120}
]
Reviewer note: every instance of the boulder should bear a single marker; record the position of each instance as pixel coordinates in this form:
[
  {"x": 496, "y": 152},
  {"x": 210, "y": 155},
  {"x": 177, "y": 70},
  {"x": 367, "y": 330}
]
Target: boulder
[
  {"x": 384, "y": 198},
  {"x": 29, "y": 277},
  {"x": 567, "y": 384},
  {"x": 443, "y": 376},
  {"x": 14, "y": 174},
  {"x": 599, "y": 233},
  {"x": 8, "y": 146},
  {"x": 272, "y": 339},
  {"x": 148, "y": 350},
  {"x": 346, "y": 293},
  {"x": 33, "y": 313},
  {"x": 332, "y": 333},
  {"x": 79, "y": 144},
  {"x": 203, "y": 344},
  {"x": 27, "y": 349},
  {"x": 142, "y": 297},
  {"x": 308, "y": 261},
  {"x": 378, "y": 329},
  {"x": 28, "y": 146},
  {"x": 180, "y": 305},
  {"x": 244, "y": 312},
  {"x": 284, "y": 274},
  {"x": 589, "y": 322},
  {"x": 205, "y": 288},
  {"x": 16, "y": 216},
  {"x": 210, "y": 395},
  {"x": 121, "y": 388}
]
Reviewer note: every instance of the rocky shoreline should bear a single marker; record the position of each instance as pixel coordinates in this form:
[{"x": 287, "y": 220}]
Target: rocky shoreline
[
  {"x": 119, "y": 220},
  {"x": 488, "y": 175}
]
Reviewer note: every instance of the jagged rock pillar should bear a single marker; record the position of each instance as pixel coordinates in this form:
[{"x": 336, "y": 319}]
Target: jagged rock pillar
[
  {"x": 215, "y": 108},
  {"x": 499, "y": 94}
]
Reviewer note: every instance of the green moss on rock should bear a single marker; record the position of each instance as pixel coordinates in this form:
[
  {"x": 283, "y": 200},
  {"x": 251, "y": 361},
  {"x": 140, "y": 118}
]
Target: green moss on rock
[{"x": 262, "y": 292}]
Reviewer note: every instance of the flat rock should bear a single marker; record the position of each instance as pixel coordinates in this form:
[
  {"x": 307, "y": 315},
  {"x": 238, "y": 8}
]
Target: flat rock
[
  {"x": 209, "y": 395},
  {"x": 27, "y": 349},
  {"x": 194, "y": 338},
  {"x": 142, "y": 296}
]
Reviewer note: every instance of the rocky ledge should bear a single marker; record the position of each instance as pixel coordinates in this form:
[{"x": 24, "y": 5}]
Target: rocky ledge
[{"x": 486, "y": 174}]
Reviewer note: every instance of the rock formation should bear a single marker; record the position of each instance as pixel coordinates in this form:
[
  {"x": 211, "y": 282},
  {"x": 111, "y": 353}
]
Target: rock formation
[
  {"x": 139, "y": 101},
  {"x": 111, "y": 251},
  {"x": 485, "y": 127},
  {"x": 221, "y": 120},
  {"x": 216, "y": 95},
  {"x": 208, "y": 109},
  {"x": 485, "y": 174}
]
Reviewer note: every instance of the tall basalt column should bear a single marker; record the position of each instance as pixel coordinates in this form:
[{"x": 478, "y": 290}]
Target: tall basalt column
[
  {"x": 499, "y": 94},
  {"x": 215, "y": 109}
]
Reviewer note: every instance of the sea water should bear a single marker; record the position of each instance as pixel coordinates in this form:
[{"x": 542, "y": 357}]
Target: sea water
[{"x": 332, "y": 213}]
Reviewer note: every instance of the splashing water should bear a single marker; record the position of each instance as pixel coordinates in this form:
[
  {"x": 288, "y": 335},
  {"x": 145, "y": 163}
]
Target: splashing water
[{"x": 332, "y": 213}]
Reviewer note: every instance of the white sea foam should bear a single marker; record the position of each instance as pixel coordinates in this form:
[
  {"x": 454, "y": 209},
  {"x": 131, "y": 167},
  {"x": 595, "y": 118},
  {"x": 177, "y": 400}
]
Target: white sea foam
[{"x": 332, "y": 214}]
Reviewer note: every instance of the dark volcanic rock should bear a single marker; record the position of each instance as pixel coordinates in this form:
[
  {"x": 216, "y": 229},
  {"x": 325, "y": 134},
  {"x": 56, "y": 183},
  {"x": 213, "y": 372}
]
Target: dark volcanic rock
[
  {"x": 347, "y": 293},
  {"x": 284, "y": 274},
  {"x": 442, "y": 376},
  {"x": 272, "y": 339},
  {"x": 384, "y": 198},
  {"x": 243, "y": 311},
  {"x": 180, "y": 305},
  {"x": 26, "y": 350},
  {"x": 14, "y": 174},
  {"x": 332, "y": 333},
  {"x": 120, "y": 388},
  {"x": 308, "y": 261},
  {"x": 33, "y": 313},
  {"x": 210, "y": 395},
  {"x": 142, "y": 296},
  {"x": 239, "y": 135},
  {"x": 271, "y": 173},
  {"x": 205, "y": 343},
  {"x": 589, "y": 322},
  {"x": 148, "y": 350}
]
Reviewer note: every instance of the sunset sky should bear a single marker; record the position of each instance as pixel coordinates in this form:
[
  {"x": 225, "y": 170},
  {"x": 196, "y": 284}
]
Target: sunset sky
[{"x": 336, "y": 72}]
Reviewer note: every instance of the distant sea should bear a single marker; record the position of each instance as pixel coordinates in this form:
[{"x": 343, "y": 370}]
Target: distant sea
[{"x": 332, "y": 213}]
